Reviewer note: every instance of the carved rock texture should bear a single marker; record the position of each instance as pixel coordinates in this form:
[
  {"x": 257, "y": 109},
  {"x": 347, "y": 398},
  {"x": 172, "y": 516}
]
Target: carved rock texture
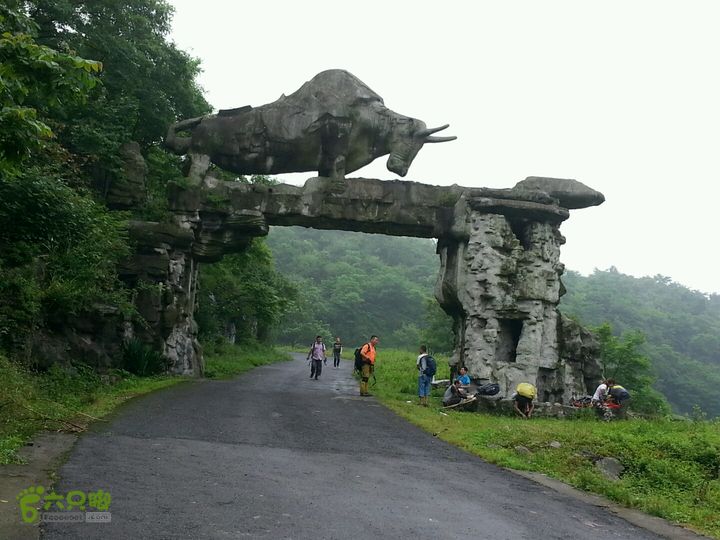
[
  {"x": 502, "y": 288},
  {"x": 164, "y": 274},
  {"x": 334, "y": 124}
]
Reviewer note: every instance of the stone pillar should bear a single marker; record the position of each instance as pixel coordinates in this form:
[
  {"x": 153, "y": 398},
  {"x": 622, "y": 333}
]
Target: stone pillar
[
  {"x": 502, "y": 287},
  {"x": 164, "y": 273}
]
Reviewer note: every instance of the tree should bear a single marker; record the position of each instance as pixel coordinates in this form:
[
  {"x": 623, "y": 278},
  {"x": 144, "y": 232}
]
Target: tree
[
  {"x": 63, "y": 119},
  {"x": 242, "y": 297},
  {"x": 35, "y": 82},
  {"x": 145, "y": 75},
  {"x": 356, "y": 284},
  {"x": 147, "y": 83},
  {"x": 623, "y": 362}
]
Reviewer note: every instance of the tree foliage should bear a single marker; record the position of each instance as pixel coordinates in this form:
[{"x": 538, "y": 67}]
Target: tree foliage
[
  {"x": 353, "y": 285},
  {"x": 36, "y": 82},
  {"x": 242, "y": 297},
  {"x": 145, "y": 77},
  {"x": 681, "y": 329},
  {"x": 623, "y": 361}
]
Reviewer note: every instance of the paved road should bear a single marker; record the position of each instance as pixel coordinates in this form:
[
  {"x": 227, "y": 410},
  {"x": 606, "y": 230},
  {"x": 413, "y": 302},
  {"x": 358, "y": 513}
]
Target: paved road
[{"x": 274, "y": 454}]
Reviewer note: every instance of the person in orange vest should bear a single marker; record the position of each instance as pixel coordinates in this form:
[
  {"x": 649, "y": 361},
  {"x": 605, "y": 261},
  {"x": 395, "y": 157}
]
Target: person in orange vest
[{"x": 367, "y": 352}]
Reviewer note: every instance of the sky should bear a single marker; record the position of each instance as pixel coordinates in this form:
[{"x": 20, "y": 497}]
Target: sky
[{"x": 623, "y": 96}]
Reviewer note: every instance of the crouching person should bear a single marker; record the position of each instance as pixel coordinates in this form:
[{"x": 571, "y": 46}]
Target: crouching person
[
  {"x": 454, "y": 394},
  {"x": 523, "y": 400}
]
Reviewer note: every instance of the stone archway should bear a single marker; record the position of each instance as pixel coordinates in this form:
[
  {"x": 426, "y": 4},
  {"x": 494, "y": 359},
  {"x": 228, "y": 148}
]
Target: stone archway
[{"x": 499, "y": 255}]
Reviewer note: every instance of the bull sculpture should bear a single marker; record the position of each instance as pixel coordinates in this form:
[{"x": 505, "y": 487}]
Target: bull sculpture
[{"x": 334, "y": 124}]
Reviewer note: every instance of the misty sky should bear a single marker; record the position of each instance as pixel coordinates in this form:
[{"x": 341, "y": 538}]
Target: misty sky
[{"x": 623, "y": 96}]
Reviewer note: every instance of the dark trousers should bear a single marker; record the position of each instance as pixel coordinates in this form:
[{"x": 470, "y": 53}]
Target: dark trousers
[
  {"x": 315, "y": 368},
  {"x": 336, "y": 359}
]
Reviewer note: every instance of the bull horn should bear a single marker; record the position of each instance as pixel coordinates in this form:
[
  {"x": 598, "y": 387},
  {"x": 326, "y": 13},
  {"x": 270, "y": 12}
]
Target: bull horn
[
  {"x": 440, "y": 139},
  {"x": 430, "y": 131}
]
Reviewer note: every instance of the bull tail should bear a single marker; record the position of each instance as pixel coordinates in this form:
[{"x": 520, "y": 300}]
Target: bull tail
[{"x": 180, "y": 145}]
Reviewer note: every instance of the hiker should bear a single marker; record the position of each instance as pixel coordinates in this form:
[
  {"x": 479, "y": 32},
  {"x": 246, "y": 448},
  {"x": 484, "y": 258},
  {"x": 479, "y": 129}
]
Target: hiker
[
  {"x": 601, "y": 393},
  {"x": 316, "y": 357},
  {"x": 610, "y": 392},
  {"x": 367, "y": 353},
  {"x": 464, "y": 378},
  {"x": 523, "y": 400},
  {"x": 617, "y": 394},
  {"x": 426, "y": 368},
  {"x": 337, "y": 351},
  {"x": 608, "y": 399},
  {"x": 454, "y": 394}
]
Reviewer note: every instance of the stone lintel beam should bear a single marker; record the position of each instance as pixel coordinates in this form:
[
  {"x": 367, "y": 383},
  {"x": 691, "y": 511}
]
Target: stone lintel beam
[{"x": 224, "y": 216}]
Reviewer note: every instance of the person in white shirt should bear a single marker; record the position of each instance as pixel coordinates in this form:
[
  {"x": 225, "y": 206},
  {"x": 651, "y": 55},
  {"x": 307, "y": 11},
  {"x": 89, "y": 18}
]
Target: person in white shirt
[{"x": 601, "y": 392}]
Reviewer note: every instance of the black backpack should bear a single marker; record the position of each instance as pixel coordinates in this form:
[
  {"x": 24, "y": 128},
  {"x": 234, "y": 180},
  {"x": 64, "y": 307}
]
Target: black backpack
[
  {"x": 430, "y": 366},
  {"x": 359, "y": 360},
  {"x": 489, "y": 389}
]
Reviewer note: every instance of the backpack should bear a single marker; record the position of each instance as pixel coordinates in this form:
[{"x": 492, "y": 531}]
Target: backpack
[
  {"x": 489, "y": 389},
  {"x": 359, "y": 360},
  {"x": 430, "y": 366},
  {"x": 526, "y": 390}
]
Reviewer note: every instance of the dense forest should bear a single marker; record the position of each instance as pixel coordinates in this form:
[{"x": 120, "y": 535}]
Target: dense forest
[{"x": 353, "y": 285}]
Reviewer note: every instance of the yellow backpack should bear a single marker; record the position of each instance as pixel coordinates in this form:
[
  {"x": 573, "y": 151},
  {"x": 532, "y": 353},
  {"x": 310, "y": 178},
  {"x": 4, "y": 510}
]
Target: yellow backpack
[{"x": 526, "y": 390}]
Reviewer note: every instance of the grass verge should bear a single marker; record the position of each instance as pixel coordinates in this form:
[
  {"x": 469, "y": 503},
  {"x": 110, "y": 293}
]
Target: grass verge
[
  {"x": 223, "y": 360},
  {"x": 671, "y": 468},
  {"x": 61, "y": 400}
]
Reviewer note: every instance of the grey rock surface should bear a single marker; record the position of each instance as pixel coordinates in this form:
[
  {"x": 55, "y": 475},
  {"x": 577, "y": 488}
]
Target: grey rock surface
[
  {"x": 333, "y": 124},
  {"x": 610, "y": 467},
  {"x": 570, "y": 193}
]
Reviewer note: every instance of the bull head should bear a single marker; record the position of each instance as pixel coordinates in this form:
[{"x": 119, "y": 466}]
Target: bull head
[{"x": 407, "y": 141}]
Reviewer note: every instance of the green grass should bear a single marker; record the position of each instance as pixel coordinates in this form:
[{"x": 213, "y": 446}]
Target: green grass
[
  {"x": 223, "y": 360},
  {"x": 672, "y": 468},
  {"x": 61, "y": 399}
]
